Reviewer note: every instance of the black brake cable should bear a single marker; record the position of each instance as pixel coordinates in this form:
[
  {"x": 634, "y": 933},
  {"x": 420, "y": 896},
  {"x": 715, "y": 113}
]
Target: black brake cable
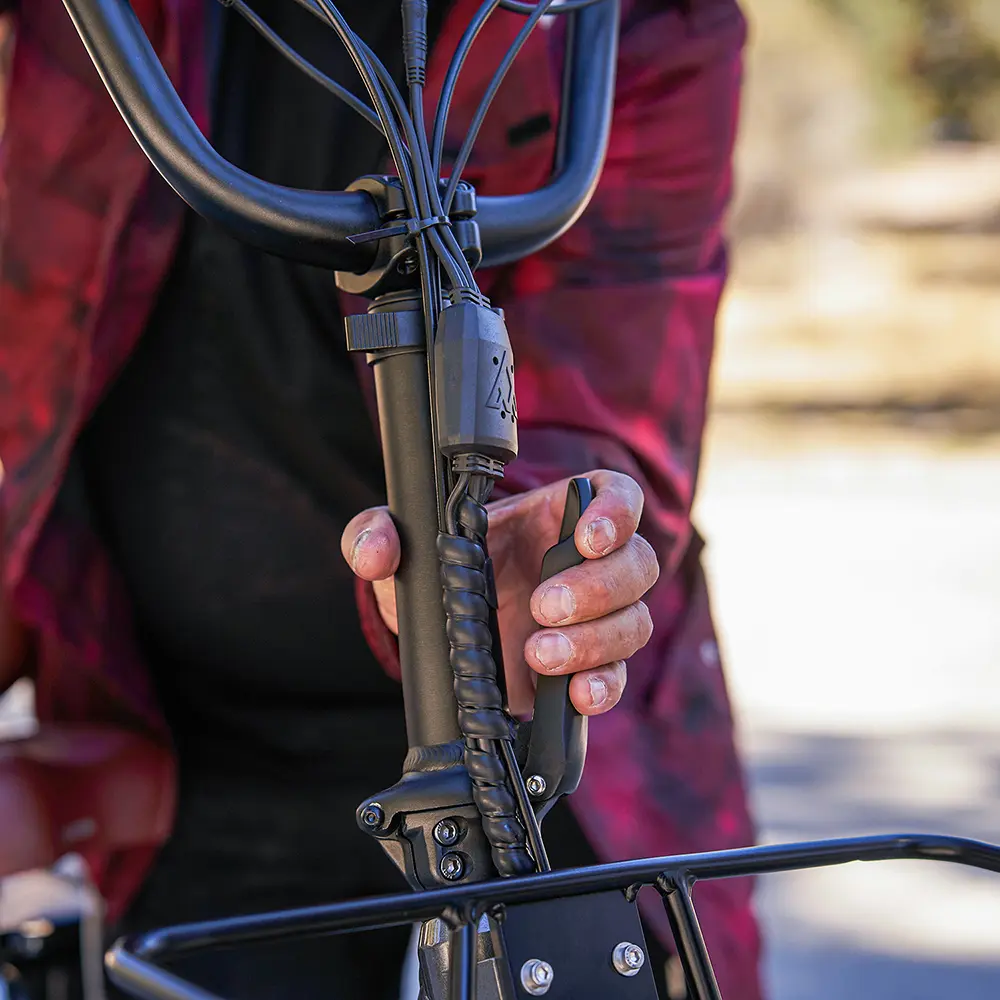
[
  {"x": 484, "y": 105},
  {"x": 428, "y": 195},
  {"x": 316, "y": 8},
  {"x": 380, "y": 99},
  {"x": 451, "y": 78},
  {"x": 464, "y": 47},
  {"x": 561, "y": 7}
]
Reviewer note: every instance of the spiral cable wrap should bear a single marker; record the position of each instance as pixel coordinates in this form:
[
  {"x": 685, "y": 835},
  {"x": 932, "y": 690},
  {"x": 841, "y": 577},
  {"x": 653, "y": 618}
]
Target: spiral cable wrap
[{"x": 468, "y": 600}]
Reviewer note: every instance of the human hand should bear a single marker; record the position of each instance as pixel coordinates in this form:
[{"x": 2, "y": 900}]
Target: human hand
[{"x": 592, "y": 616}]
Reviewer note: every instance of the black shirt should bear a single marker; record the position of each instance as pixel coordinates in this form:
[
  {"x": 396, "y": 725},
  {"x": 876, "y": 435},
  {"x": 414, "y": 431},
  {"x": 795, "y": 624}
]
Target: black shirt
[
  {"x": 223, "y": 466},
  {"x": 237, "y": 444}
]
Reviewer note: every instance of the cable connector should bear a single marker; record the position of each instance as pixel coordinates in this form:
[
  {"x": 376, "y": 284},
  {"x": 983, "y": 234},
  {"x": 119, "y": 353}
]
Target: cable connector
[
  {"x": 415, "y": 41},
  {"x": 471, "y": 296},
  {"x": 477, "y": 465}
]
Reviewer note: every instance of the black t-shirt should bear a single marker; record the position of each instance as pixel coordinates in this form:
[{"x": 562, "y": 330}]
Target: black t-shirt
[
  {"x": 237, "y": 444},
  {"x": 223, "y": 467}
]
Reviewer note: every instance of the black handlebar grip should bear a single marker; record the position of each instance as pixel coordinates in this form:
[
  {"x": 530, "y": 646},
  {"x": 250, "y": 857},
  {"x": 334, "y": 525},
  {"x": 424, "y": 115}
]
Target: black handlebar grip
[{"x": 557, "y": 746}]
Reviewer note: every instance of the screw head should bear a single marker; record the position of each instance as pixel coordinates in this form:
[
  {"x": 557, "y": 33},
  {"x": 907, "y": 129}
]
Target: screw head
[
  {"x": 536, "y": 785},
  {"x": 536, "y": 977},
  {"x": 452, "y": 867},
  {"x": 407, "y": 264},
  {"x": 372, "y": 816},
  {"x": 628, "y": 958},
  {"x": 447, "y": 832}
]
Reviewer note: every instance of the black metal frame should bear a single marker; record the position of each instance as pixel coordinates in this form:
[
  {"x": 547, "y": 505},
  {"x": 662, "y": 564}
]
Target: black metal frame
[{"x": 132, "y": 963}]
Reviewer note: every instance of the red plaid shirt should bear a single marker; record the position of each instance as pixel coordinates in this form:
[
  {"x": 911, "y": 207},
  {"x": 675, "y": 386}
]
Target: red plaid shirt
[{"x": 612, "y": 326}]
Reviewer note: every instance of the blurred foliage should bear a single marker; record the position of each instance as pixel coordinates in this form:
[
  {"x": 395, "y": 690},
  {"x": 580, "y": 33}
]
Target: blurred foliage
[
  {"x": 932, "y": 66},
  {"x": 835, "y": 88}
]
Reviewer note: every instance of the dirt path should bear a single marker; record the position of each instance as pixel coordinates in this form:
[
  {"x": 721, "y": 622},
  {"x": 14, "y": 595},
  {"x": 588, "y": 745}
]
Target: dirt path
[{"x": 857, "y": 586}]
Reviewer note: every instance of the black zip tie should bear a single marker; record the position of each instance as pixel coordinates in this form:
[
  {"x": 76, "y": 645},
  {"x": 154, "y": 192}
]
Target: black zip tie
[{"x": 411, "y": 227}]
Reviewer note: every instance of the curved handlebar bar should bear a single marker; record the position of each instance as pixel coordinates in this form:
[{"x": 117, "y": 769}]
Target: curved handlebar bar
[{"x": 312, "y": 226}]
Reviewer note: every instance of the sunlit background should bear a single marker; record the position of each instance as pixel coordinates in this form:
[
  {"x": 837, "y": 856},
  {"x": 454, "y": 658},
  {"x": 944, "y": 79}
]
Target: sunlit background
[{"x": 851, "y": 486}]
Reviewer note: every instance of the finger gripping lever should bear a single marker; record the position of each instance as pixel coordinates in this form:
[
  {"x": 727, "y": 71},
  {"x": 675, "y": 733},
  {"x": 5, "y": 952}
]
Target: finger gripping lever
[{"x": 557, "y": 746}]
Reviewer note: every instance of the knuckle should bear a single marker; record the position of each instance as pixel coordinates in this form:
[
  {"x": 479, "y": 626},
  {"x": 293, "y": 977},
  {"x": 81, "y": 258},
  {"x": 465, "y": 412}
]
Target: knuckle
[
  {"x": 644, "y": 622},
  {"x": 637, "y": 633},
  {"x": 649, "y": 563},
  {"x": 603, "y": 591}
]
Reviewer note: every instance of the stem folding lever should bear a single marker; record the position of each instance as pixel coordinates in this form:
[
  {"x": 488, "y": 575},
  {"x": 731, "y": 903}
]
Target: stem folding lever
[{"x": 557, "y": 745}]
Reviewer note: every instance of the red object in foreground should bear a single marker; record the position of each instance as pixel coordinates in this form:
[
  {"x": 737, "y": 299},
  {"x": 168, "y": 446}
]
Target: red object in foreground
[{"x": 101, "y": 793}]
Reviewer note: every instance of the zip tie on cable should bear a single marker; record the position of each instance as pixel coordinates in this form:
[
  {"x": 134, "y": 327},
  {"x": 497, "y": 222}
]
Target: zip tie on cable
[{"x": 410, "y": 227}]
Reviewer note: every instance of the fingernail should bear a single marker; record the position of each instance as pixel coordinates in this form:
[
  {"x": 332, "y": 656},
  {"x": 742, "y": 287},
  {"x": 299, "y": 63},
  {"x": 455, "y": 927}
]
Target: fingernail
[
  {"x": 601, "y": 535},
  {"x": 598, "y": 691},
  {"x": 557, "y": 604},
  {"x": 553, "y": 650},
  {"x": 363, "y": 537}
]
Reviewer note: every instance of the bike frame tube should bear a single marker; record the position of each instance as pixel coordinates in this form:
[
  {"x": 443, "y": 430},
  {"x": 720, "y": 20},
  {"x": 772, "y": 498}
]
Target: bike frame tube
[
  {"x": 313, "y": 226},
  {"x": 131, "y": 963}
]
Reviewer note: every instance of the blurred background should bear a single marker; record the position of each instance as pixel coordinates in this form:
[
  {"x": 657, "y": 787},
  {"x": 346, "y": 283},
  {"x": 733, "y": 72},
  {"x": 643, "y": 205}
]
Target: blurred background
[{"x": 851, "y": 486}]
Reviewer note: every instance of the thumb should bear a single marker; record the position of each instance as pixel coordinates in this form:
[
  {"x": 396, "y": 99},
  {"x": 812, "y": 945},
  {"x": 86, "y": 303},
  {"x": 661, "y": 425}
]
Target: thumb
[{"x": 370, "y": 544}]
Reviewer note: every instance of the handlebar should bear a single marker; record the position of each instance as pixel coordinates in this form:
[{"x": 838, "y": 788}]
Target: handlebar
[{"x": 313, "y": 226}]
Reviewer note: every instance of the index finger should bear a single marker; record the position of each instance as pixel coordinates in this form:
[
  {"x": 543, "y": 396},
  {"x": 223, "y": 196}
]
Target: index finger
[{"x": 612, "y": 517}]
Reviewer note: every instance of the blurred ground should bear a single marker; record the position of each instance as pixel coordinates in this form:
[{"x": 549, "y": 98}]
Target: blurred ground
[
  {"x": 851, "y": 502},
  {"x": 857, "y": 587}
]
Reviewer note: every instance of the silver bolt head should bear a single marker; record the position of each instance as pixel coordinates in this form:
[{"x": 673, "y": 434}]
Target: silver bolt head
[
  {"x": 447, "y": 832},
  {"x": 628, "y": 958},
  {"x": 536, "y": 977},
  {"x": 536, "y": 785},
  {"x": 452, "y": 867},
  {"x": 372, "y": 816}
]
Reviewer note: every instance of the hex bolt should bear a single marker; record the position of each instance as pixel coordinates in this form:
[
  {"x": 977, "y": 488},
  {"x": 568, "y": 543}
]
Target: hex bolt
[
  {"x": 447, "y": 832},
  {"x": 536, "y": 785},
  {"x": 628, "y": 959},
  {"x": 372, "y": 816},
  {"x": 536, "y": 977},
  {"x": 452, "y": 867}
]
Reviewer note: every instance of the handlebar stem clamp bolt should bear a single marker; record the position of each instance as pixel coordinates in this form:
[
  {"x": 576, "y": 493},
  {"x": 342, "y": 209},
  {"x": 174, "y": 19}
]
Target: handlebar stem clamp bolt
[
  {"x": 536, "y": 977},
  {"x": 447, "y": 832},
  {"x": 628, "y": 959},
  {"x": 452, "y": 867},
  {"x": 536, "y": 785}
]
